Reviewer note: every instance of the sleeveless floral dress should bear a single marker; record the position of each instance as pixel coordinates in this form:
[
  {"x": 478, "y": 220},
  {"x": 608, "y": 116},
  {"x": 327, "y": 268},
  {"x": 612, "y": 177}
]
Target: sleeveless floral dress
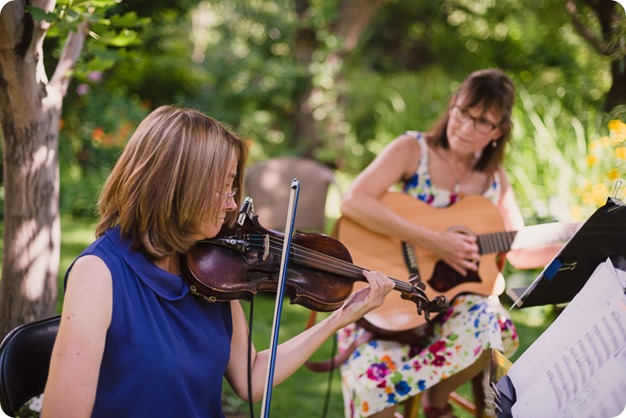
[{"x": 380, "y": 374}]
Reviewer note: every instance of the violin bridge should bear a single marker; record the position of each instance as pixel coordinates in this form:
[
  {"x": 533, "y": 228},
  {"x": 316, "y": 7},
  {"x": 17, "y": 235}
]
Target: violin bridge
[{"x": 266, "y": 247}]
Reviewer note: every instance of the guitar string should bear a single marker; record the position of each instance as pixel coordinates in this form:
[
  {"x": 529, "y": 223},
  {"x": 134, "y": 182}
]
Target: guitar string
[{"x": 501, "y": 241}]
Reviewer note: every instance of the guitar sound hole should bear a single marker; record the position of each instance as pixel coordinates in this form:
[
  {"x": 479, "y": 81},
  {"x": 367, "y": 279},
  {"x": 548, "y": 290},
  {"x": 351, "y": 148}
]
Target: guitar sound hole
[{"x": 445, "y": 277}]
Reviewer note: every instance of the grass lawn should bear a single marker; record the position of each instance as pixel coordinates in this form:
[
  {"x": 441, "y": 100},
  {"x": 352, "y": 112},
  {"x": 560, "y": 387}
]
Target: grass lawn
[{"x": 305, "y": 392}]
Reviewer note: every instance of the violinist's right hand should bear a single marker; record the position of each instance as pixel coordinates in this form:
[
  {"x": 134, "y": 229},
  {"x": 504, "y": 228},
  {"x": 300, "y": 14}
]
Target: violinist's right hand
[
  {"x": 364, "y": 300},
  {"x": 458, "y": 250}
]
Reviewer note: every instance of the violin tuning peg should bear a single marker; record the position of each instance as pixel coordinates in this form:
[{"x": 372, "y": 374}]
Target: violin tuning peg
[{"x": 415, "y": 281}]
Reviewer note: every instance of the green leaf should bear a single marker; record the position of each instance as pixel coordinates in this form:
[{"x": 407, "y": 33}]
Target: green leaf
[
  {"x": 129, "y": 20},
  {"x": 41, "y": 15},
  {"x": 119, "y": 39}
]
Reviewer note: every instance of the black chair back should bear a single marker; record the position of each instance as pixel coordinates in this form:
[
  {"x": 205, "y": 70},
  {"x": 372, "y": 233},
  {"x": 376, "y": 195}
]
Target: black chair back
[{"x": 24, "y": 361}]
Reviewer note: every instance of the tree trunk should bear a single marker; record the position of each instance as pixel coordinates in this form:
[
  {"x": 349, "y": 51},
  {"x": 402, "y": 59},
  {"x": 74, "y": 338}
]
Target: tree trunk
[
  {"x": 311, "y": 131},
  {"x": 306, "y": 43},
  {"x": 610, "y": 42},
  {"x": 30, "y": 111},
  {"x": 617, "y": 93}
]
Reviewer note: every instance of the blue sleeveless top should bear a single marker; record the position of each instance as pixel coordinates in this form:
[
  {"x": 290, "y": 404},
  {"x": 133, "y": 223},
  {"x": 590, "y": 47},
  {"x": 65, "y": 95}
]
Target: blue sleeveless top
[{"x": 166, "y": 350}]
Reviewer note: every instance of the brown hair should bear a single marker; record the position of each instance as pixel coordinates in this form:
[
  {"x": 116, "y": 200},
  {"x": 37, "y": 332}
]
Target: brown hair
[
  {"x": 164, "y": 184},
  {"x": 489, "y": 89}
]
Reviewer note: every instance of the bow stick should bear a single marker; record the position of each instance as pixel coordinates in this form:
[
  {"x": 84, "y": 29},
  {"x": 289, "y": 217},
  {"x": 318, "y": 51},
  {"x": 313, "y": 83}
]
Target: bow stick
[{"x": 291, "y": 215}]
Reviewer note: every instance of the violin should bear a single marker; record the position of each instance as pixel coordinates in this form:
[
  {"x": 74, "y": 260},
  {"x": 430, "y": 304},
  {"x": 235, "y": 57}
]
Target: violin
[{"x": 244, "y": 260}]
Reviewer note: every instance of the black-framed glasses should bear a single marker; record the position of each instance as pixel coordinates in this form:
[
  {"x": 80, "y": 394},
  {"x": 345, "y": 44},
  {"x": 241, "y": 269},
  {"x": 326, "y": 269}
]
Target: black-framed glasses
[{"x": 481, "y": 125}]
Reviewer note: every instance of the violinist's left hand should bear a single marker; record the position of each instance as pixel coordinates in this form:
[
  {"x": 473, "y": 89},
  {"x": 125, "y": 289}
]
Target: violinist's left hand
[{"x": 365, "y": 299}]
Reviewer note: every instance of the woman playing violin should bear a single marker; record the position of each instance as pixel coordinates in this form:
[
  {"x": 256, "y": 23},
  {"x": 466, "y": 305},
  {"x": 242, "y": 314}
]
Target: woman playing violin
[
  {"x": 461, "y": 155},
  {"x": 133, "y": 341}
]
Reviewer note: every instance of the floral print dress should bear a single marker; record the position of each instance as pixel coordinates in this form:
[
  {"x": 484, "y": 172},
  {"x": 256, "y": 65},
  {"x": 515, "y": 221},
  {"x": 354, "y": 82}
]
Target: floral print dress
[{"x": 381, "y": 373}]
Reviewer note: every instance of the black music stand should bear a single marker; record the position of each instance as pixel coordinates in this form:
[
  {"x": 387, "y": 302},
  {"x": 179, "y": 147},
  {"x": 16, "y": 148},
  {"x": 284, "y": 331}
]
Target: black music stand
[{"x": 602, "y": 236}]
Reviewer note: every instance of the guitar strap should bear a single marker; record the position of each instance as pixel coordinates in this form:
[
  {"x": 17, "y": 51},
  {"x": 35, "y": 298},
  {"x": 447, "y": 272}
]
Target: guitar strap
[{"x": 408, "y": 252}]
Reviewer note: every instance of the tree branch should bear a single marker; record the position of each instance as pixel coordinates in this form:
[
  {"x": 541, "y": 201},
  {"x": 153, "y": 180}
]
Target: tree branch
[
  {"x": 354, "y": 17},
  {"x": 71, "y": 52},
  {"x": 600, "y": 46}
]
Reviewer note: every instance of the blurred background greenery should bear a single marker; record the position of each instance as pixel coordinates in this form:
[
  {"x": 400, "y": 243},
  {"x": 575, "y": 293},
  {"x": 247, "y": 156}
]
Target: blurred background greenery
[
  {"x": 241, "y": 63},
  {"x": 257, "y": 64}
]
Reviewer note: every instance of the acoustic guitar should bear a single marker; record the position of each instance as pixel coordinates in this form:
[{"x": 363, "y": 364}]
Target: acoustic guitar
[{"x": 472, "y": 215}]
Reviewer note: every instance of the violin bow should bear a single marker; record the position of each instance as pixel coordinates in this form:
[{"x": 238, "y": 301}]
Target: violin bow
[{"x": 291, "y": 216}]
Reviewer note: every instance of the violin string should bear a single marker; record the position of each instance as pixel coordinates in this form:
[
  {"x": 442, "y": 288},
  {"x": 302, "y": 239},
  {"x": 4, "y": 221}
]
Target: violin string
[
  {"x": 306, "y": 256},
  {"x": 340, "y": 266},
  {"x": 313, "y": 258}
]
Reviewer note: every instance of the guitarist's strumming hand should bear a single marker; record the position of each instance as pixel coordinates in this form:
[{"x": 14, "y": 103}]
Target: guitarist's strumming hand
[{"x": 457, "y": 249}]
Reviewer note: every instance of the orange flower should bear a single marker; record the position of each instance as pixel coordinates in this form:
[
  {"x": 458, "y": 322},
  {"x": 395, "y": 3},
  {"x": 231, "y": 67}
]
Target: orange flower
[{"x": 97, "y": 134}]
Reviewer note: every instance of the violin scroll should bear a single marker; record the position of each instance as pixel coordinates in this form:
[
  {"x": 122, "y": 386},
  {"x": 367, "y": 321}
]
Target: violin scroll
[{"x": 424, "y": 306}]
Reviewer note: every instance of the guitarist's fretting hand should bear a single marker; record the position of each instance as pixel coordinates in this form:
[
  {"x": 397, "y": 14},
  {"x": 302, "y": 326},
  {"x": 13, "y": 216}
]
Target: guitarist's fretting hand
[{"x": 457, "y": 249}]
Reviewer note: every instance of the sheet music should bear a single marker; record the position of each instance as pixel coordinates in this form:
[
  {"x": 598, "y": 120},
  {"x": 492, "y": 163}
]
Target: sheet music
[{"x": 577, "y": 367}]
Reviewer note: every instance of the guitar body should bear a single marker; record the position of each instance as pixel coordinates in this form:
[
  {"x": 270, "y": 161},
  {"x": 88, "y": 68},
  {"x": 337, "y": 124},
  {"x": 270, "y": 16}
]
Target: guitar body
[{"x": 473, "y": 215}]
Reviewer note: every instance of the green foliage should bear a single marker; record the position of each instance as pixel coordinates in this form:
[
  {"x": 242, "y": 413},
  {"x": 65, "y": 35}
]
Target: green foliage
[
  {"x": 111, "y": 29},
  {"x": 103, "y": 23},
  {"x": 246, "y": 53},
  {"x": 532, "y": 39},
  {"x": 94, "y": 132}
]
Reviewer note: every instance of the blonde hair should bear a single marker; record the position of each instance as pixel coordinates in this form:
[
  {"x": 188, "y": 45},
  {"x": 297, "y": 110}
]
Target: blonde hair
[{"x": 166, "y": 182}]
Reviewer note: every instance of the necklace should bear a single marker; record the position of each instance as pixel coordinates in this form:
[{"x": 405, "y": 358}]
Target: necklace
[{"x": 458, "y": 177}]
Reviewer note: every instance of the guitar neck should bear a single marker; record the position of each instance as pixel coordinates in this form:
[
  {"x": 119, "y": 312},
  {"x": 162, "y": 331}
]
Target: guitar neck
[{"x": 530, "y": 236}]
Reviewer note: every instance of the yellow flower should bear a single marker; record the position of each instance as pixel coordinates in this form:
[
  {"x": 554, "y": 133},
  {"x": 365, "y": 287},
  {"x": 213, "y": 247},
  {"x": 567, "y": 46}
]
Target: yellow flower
[
  {"x": 618, "y": 129},
  {"x": 592, "y": 160},
  {"x": 613, "y": 174},
  {"x": 594, "y": 145},
  {"x": 587, "y": 199},
  {"x": 605, "y": 162},
  {"x": 620, "y": 153},
  {"x": 599, "y": 192},
  {"x": 576, "y": 212}
]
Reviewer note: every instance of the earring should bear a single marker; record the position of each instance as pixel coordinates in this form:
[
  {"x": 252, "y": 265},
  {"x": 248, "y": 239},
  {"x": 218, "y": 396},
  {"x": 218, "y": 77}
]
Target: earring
[{"x": 494, "y": 143}]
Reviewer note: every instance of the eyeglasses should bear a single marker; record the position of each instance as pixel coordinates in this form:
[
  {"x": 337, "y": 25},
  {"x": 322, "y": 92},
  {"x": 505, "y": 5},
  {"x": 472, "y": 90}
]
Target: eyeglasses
[
  {"x": 481, "y": 125},
  {"x": 229, "y": 197}
]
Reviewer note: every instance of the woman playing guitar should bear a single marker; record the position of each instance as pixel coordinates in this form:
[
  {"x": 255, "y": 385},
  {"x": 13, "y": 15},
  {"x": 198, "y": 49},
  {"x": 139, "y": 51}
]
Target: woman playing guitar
[{"x": 462, "y": 155}]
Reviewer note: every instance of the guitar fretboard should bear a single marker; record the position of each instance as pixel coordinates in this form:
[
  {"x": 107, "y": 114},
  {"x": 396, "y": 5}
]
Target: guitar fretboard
[{"x": 542, "y": 234}]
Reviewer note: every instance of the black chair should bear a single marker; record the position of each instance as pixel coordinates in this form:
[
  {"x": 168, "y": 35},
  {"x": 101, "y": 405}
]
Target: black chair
[{"x": 24, "y": 361}]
